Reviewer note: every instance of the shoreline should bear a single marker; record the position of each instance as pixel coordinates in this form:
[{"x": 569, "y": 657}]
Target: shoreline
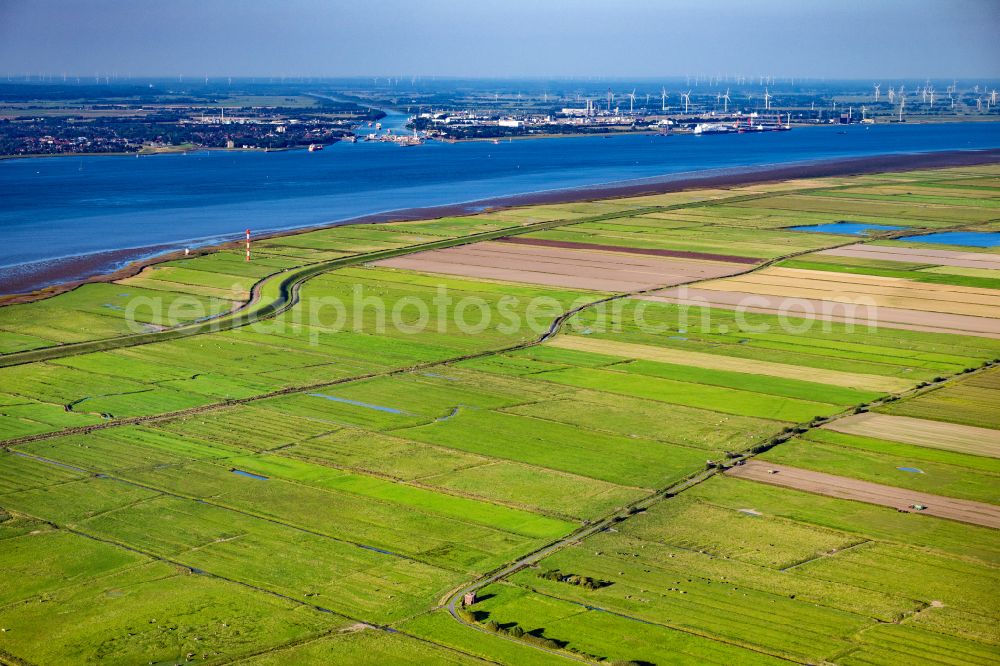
[
  {"x": 66, "y": 274},
  {"x": 176, "y": 150}
]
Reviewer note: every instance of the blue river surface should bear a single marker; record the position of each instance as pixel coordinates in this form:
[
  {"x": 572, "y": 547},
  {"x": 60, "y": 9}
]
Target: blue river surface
[
  {"x": 849, "y": 228},
  {"x": 60, "y": 207}
]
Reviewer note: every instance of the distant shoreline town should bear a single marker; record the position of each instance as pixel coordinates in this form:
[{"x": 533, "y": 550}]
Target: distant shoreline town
[{"x": 47, "y": 117}]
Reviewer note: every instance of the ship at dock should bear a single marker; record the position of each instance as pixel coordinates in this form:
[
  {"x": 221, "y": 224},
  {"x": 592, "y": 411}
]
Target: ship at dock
[
  {"x": 751, "y": 123},
  {"x": 403, "y": 140}
]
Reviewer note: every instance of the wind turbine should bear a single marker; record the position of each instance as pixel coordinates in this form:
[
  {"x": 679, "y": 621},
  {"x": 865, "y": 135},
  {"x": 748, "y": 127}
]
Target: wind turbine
[
  {"x": 631, "y": 101},
  {"x": 687, "y": 100},
  {"x": 979, "y": 104},
  {"x": 877, "y": 87},
  {"x": 892, "y": 95},
  {"x": 663, "y": 99},
  {"x": 902, "y": 104},
  {"x": 725, "y": 99},
  {"x": 993, "y": 97},
  {"x": 863, "y": 111},
  {"x": 767, "y": 100}
]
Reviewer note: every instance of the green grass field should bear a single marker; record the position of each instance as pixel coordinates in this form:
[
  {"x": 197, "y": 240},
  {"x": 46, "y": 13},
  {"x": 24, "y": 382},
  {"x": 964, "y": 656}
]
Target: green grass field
[
  {"x": 974, "y": 401},
  {"x": 316, "y": 487}
]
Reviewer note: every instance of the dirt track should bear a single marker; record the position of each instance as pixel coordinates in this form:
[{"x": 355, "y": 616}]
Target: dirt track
[
  {"x": 966, "y": 511},
  {"x": 560, "y": 267}
]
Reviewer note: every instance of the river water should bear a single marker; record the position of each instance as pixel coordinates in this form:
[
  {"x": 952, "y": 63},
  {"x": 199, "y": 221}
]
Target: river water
[{"x": 59, "y": 207}]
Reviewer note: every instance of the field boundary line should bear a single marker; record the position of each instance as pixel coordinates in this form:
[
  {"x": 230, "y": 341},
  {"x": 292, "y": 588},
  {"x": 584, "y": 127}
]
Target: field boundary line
[{"x": 820, "y": 556}]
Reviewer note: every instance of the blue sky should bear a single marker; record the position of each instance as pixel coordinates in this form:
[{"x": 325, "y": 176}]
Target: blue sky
[{"x": 503, "y": 38}]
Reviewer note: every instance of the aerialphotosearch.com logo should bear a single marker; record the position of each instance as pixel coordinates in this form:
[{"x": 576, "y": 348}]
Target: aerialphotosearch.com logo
[{"x": 368, "y": 310}]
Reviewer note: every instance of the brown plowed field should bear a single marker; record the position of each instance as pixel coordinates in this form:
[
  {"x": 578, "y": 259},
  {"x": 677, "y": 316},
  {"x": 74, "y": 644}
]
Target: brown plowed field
[
  {"x": 918, "y": 255},
  {"x": 561, "y": 267},
  {"x": 679, "y": 254},
  {"x": 966, "y": 511},
  {"x": 922, "y": 432}
]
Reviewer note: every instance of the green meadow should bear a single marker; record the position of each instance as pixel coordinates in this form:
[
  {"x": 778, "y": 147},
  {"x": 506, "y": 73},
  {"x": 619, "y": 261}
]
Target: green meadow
[{"x": 317, "y": 487}]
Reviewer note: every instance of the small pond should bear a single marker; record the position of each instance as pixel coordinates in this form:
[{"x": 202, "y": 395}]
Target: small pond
[{"x": 849, "y": 228}]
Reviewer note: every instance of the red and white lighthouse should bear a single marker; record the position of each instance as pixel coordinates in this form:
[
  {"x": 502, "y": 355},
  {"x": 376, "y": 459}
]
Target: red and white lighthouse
[{"x": 248, "y": 245}]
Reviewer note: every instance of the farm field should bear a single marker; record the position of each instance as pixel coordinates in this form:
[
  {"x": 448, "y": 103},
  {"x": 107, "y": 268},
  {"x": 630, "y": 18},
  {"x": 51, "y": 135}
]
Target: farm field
[
  {"x": 966, "y": 511},
  {"x": 324, "y": 485},
  {"x": 561, "y": 267},
  {"x": 861, "y": 298},
  {"x": 866, "y": 311},
  {"x": 931, "y": 272},
  {"x": 206, "y": 369},
  {"x": 973, "y": 401},
  {"x": 891, "y": 463},
  {"x": 919, "y": 256},
  {"x": 810, "y": 577},
  {"x": 717, "y": 362},
  {"x": 923, "y": 432},
  {"x": 99, "y": 310}
]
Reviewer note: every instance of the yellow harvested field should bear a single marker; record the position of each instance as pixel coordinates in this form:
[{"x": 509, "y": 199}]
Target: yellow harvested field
[
  {"x": 922, "y": 432},
  {"x": 866, "y": 290},
  {"x": 829, "y": 310},
  {"x": 917, "y": 255},
  {"x": 731, "y": 363},
  {"x": 598, "y": 270},
  {"x": 831, "y": 485}
]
